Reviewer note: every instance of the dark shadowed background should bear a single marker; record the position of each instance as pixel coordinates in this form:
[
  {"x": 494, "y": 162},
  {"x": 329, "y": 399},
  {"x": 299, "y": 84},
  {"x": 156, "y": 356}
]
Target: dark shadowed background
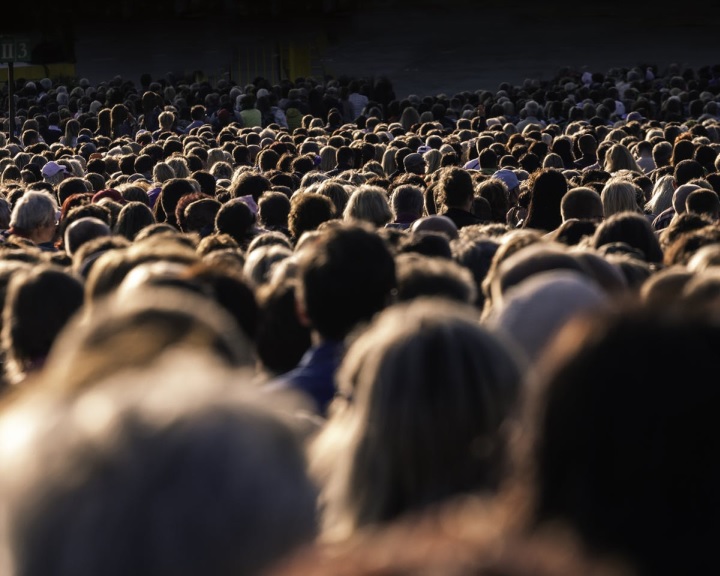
[{"x": 423, "y": 47}]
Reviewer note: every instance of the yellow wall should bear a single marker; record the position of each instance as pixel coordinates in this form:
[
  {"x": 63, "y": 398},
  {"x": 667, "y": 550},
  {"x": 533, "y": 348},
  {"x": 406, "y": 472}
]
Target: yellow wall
[{"x": 37, "y": 72}]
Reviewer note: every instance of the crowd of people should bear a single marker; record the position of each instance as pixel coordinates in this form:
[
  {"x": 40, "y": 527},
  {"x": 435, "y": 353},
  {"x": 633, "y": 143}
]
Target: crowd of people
[{"x": 317, "y": 328}]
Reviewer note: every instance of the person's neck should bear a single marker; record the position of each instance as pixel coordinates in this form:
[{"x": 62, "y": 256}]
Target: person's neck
[
  {"x": 315, "y": 338},
  {"x": 42, "y": 235}
]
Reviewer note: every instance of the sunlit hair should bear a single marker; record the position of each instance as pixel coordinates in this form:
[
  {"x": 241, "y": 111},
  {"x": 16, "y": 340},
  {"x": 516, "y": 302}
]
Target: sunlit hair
[
  {"x": 424, "y": 392},
  {"x": 370, "y": 204}
]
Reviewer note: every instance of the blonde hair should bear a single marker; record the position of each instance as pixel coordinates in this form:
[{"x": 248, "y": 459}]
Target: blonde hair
[
  {"x": 619, "y": 195},
  {"x": 217, "y": 155},
  {"x": 179, "y": 165},
  {"x": 166, "y": 119},
  {"x": 327, "y": 158},
  {"x": 618, "y": 157},
  {"x": 388, "y": 160},
  {"x": 162, "y": 171},
  {"x": 432, "y": 160},
  {"x": 370, "y": 204}
]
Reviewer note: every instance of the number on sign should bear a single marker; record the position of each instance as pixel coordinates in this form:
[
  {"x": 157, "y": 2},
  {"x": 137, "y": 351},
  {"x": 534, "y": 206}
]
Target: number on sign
[
  {"x": 7, "y": 50},
  {"x": 22, "y": 51}
]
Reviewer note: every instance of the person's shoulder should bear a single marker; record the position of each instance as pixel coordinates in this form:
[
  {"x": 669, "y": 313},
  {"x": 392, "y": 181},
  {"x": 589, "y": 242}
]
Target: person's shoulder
[{"x": 663, "y": 219}]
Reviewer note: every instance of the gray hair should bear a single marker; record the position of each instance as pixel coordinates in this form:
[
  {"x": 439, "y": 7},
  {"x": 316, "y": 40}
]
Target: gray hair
[{"x": 33, "y": 210}]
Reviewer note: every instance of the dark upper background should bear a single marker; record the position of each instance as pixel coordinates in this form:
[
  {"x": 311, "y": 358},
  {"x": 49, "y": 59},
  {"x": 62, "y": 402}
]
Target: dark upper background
[{"x": 423, "y": 47}]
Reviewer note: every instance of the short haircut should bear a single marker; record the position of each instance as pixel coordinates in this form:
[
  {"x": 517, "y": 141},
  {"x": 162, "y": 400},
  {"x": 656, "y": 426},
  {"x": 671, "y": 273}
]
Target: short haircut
[
  {"x": 346, "y": 276},
  {"x": 407, "y": 198},
  {"x": 703, "y": 201},
  {"x": 581, "y": 202},
  {"x": 419, "y": 275},
  {"x": 82, "y": 230},
  {"x": 34, "y": 209},
  {"x": 38, "y": 305},
  {"x": 273, "y": 209}
]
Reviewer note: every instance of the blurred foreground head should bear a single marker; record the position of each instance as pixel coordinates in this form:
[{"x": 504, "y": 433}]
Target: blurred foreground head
[{"x": 174, "y": 468}]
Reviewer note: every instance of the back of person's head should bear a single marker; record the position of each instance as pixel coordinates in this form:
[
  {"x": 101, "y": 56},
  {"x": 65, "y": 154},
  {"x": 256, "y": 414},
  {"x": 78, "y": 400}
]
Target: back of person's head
[
  {"x": 620, "y": 195},
  {"x": 273, "y": 209},
  {"x": 662, "y": 153},
  {"x": 581, "y": 202},
  {"x": 33, "y": 210},
  {"x": 39, "y": 303},
  {"x": 82, "y": 230},
  {"x": 346, "y": 275},
  {"x": 587, "y": 143},
  {"x": 237, "y": 219},
  {"x": 573, "y": 231},
  {"x": 134, "y": 193},
  {"x": 388, "y": 410},
  {"x": 192, "y": 442},
  {"x": 462, "y": 536},
  {"x": 537, "y": 307},
  {"x": 184, "y": 201},
  {"x": 85, "y": 256},
  {"x": 261, "y": 260},
  {"x": 574, "y": 449},
  {"x": 682, "y": 234},
  {"x": 71, "y": 185},
  {"x": 632, "y": 228},
  {"x": 662, "y": 193},
  {"x": 553, "y": 160},
  {"x": 170, "y": 193},
  {"x": 455, "y": 187},
  {"x": 269, "y": 237},
  {"x": 369, "y": 204},
  {"x": 133, "y": 217},
  {"x": 549, "y": 186},
  {"x": 407, "y": 199},
  {"x": 5, "y": 212},
  {"x": 345, "y": 155},
  {"x": 495, "y": 191},
  {"x": 154, "y": 243},
  {"x": 208, "y": 184},
  {"x": 226, "y": 285},
  {"x": 199, "y": 216},
  {"x": 420, "y": 275},
  {"x": 665, "y": 286},
  {"x": 281, "y": 339},
  {"x": 337, "y": 192},
  {"x": 488, "y": 159},
  {"x": 683, "y": 149},
  {"x": 249, "y": 184},
  {"x": 686, "y": 170},
  {"x": 680, "y": 196},
  {"x": 619, "y": 157},
  {"x": 436, "y": 223},
  {"x": 267, "y": 159},
  {"x": 703, "y": 201},
  {"x": 91, "y": 210},
  {"x": 521, "y": 256},
  {"x": 425, "y": 242},
  {"x": 307, "y": 211}
]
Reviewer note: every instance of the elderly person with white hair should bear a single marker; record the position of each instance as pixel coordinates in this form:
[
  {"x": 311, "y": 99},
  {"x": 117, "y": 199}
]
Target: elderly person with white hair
[{"x": 34, "y": 218}]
